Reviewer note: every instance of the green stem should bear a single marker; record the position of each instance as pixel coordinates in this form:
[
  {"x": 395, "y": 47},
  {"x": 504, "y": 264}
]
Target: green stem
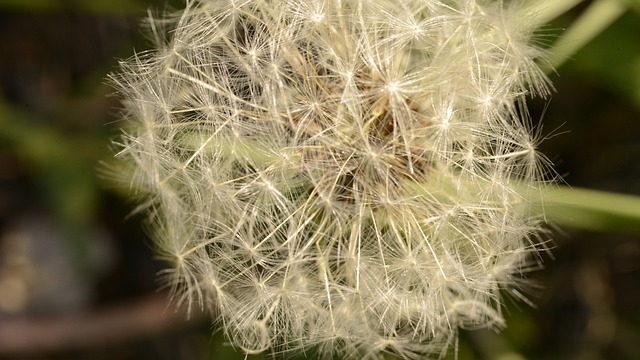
[{"x": 591, "y": 209}]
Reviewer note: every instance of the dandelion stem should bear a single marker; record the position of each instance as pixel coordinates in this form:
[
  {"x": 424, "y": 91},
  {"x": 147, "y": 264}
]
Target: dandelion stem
[{"x": 592, "y": 209}]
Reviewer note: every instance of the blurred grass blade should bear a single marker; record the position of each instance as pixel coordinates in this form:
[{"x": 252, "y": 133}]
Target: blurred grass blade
[
  {"x": 544, "y": 11},
  {"x": 593, "y": 209},
  {"x": 599, "y": 15}
]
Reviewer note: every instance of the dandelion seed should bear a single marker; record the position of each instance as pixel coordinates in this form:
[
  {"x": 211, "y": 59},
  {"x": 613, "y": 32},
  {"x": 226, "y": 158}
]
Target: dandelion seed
[{"x": 339, "y": 174}]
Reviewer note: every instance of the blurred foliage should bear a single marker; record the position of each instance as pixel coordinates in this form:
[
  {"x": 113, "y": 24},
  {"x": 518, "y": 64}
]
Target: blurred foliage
[
  {"x": 56, "y": 122},
  {"x": 613, "y": 58},
  {"x": 95, "y": 6}
]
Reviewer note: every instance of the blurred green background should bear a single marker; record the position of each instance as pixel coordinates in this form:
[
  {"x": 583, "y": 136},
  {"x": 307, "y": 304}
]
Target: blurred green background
[{"x": 78, "y": 278}]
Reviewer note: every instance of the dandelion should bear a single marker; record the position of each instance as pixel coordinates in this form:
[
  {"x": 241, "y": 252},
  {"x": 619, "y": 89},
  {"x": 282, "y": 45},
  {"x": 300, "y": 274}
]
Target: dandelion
[{"x": 344, "y": 175}]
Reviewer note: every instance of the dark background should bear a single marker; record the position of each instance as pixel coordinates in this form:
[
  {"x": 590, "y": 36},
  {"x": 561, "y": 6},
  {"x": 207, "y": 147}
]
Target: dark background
[{"x": 78, "y": 278}]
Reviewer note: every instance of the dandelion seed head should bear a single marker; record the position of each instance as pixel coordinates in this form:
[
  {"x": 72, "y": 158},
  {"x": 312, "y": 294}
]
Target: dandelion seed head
[{"x": 344, "y": 175}]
